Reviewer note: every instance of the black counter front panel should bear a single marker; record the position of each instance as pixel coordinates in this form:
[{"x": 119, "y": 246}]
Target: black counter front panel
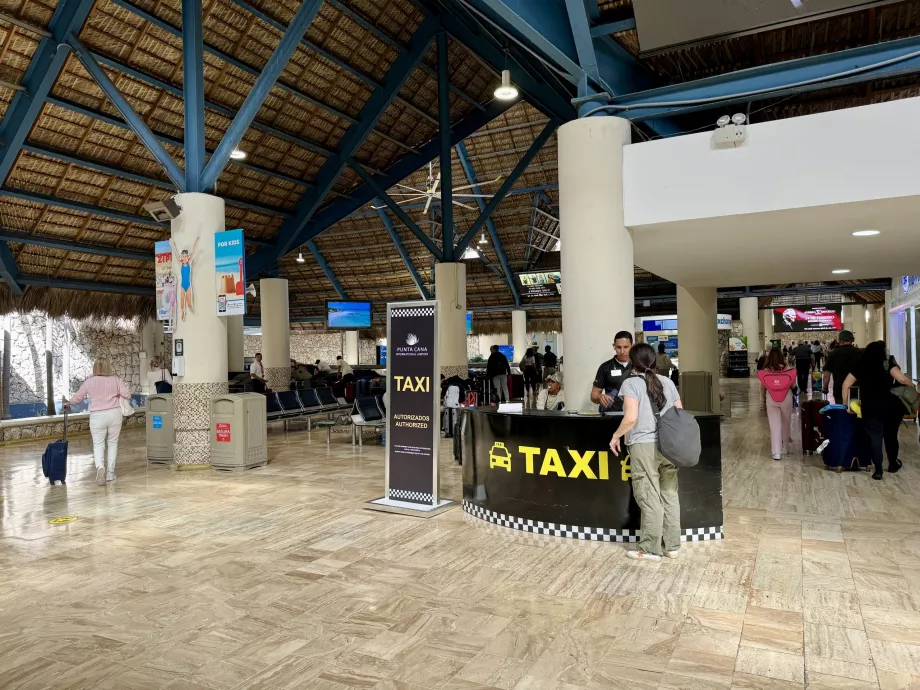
[{"x": 555, "y": 473}]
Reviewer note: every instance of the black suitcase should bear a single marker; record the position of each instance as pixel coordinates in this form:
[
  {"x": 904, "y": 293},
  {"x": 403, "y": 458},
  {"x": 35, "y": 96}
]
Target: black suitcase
[
  {"x": 54, "y": 460},
  {"x": 844, "y": 432},
  {"x": 812, "y": 425}
]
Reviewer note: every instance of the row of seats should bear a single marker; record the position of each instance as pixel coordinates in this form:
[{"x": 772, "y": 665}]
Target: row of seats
[
  {"x": 368, "y": 411},
  {"x": 303, "y": 403}
]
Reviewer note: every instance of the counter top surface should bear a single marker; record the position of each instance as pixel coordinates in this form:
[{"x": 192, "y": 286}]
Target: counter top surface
[{"x": 568, "y": 415}]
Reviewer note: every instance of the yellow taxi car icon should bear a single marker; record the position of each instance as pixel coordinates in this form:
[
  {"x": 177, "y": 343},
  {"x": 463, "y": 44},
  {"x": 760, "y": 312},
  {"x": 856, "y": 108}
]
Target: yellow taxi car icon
[{"x": 500, "y": 456}]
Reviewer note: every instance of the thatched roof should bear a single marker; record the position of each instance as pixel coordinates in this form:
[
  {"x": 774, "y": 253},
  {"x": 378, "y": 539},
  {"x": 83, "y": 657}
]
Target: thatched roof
[{"x": 81, "y": 152}]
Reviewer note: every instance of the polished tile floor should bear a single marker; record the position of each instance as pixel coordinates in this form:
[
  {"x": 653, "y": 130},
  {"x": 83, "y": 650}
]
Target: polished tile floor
[{"x": 278, "y": 578}]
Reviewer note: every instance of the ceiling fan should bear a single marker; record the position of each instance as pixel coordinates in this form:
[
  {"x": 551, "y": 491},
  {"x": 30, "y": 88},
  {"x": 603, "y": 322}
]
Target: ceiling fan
[{"x": 431, "y": 192}]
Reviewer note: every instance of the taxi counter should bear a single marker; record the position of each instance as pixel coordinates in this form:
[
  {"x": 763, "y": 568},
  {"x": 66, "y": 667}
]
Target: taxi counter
[{"x": 554, "y": 473}]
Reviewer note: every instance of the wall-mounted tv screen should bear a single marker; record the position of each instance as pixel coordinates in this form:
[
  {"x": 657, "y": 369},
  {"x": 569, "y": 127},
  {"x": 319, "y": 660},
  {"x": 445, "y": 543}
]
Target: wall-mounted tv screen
[
  {"x": 469, "y": 323},
  {"x": 798, "y": 319},
  {"x": 541, "y": 283},
  {"x": 508, "y": 351},
  {"x": 348, "y": 315}
]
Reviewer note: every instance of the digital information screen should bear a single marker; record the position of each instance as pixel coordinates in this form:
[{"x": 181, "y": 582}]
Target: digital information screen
[{"x": 348, "y": 315}]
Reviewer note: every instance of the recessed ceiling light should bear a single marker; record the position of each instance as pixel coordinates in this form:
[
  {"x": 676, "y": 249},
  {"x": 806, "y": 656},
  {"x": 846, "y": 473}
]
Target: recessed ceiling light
[
  {"x": 841, "y": 270},
  {"x": 866, "y": 233},
  {"x": 237, "y": 155}
]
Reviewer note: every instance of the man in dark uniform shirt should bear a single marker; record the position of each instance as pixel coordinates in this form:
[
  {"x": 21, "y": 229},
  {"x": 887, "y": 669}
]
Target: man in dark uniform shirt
[
  {"x": 841, "y": 361},
  {"x": 611, "y": 374}
]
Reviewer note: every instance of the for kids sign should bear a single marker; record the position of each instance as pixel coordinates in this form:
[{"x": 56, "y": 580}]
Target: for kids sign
[{"x": 229, "y": 259}]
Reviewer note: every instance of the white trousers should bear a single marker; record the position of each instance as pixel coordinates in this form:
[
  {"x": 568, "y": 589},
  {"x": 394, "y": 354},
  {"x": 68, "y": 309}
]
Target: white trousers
[{"x": 102, "y": 425}]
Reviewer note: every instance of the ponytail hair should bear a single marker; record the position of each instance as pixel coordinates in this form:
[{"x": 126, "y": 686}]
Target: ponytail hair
[{"x": 642, "y": 357}]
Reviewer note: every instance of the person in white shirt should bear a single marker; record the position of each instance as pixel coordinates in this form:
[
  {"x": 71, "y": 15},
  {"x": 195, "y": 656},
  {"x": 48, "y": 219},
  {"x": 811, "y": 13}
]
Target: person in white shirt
[
  {"x": 257, "y": 374},
  {"x": 158, "y": 373},
  {"x": 323, "y": 367},
  {"x": 344, "y": 367},
  {"x": 552, "y": 397}
]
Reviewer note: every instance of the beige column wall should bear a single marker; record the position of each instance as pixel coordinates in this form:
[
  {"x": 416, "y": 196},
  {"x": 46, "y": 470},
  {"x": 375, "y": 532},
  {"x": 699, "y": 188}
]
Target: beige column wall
[
  {"x": 276, "y": 332},
  {"x": 450, "y": 291},
  {"x": 597, "y": 254},
  {"x": 235, "y": 356},
  {"x": 698, "y": 334},
  {"x": 519, "y": 333}
]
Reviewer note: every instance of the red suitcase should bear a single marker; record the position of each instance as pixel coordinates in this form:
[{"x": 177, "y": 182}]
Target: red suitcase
[{"x": 812, "y": 425}]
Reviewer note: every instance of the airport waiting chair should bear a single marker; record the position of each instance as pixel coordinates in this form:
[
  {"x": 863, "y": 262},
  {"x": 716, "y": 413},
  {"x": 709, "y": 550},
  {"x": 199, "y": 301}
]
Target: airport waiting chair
[{"x": 366, "y": 413}]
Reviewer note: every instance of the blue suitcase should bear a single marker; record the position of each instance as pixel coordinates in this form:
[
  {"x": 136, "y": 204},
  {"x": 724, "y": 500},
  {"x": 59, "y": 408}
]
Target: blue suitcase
[
  {"x": 845, "y": 448},
  {"x": 54, "y": 460}
]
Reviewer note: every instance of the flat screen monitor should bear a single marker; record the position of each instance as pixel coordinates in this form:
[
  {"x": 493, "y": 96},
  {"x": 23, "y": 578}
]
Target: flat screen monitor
[
  {"x": 469, "y": 323},
  {"x": 799, "y": 319},
  {"x": 507, "y": 350},
  {"x": 348, "y": 315},
  {"x": 541, "y": 283}
]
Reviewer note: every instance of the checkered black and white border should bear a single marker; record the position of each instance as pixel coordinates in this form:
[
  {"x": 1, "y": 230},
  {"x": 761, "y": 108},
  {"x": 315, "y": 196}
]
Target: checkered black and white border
[
  {"x": 404, "y": 495},
  {"x": 576, "y": 532},
  {"x": 414, "y": 311}
]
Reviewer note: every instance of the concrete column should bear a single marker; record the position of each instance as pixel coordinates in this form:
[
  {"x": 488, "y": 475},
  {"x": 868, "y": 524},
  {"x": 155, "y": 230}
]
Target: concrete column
[
  {"x": 450, "y": 291},
  {"x": 559, "y": 344},
  {"x": 351, "y": 353},
  {"x": 766, "y": 326},
  {"x": 750, "y": 326},
  {"x": 854, "y": 319},
  {"x": 148, "y": 345},
  {"x": 235, "y": 355},
  {"x": 519, "y": 333},
  {"x": 202, "y": 332},
  {"x": 597, "y": 255},
  {"x": 276, "y": 332},
  {"x": 698, "y": 334}
]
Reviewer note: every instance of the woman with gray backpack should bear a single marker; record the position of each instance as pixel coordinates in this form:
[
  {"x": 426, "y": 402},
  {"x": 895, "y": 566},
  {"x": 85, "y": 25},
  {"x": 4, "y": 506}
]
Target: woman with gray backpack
[{"x": 660, "y": 437}]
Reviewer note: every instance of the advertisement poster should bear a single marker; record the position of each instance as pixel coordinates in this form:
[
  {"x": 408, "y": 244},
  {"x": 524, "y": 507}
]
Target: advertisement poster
[
  {"x": 670, "y": 344},
  {"x": 542, "y": 284},
  {"x": 810, "y": 318},
  {"x": 165, "y": 282},
  {"x": 737, "y": 344},
  {"x": 229, "y": 259},
  {"x": 413, "y": 387}
]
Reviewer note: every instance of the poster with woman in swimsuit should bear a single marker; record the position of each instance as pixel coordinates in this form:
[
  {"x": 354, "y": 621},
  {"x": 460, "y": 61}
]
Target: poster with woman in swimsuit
[{"x": 186, "y": 258}]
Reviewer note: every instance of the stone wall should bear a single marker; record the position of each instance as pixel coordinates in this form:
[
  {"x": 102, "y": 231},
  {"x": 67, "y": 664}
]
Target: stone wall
[
  {"x": 82, "y": 341},
  {"x": 309, "y": 347}
]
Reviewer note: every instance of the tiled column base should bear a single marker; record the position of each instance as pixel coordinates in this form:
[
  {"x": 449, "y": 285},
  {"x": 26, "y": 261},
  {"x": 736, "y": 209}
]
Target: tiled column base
[
  {"x": 462, "y": 371},
  {"x": 279, "y": 378},
  {"x": 192, "y": 411}
]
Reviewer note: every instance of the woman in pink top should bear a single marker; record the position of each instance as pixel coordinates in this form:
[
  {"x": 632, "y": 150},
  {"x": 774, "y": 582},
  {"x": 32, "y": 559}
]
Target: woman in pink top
[
  {"x": 105, "y": 391},
  {"x": 778, "y": 380}
]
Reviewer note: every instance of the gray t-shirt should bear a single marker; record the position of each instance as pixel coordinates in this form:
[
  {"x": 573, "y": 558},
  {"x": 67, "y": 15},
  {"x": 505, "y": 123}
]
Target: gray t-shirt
[{"x": 646, "y": 428}]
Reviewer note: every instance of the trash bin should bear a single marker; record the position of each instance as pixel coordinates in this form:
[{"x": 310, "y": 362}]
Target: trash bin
[
  {"x": 238, "y": 431},
  {"x": 161, "y": 430}
]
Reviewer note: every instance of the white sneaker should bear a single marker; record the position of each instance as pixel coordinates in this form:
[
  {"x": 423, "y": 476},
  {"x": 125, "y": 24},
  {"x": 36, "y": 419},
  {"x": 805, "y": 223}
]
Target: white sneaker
[
  {"x": 110, "y": 477},
  {"x": 642, "y": 556},
  {"x": 672, "y": 554},
  {"x": 100, "y": 476},
  {"x": 786, "y": 450},
  {"x": 777, "y": 457}
]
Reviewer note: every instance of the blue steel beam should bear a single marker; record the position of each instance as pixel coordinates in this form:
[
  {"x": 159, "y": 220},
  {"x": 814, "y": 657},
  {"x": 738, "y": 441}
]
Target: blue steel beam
[
  {"x": 508, "y": 183},
  {"x": 470, "y": 173},
  {"x": 401, "y": 249},
  {"x": 68, "y": 284},
  {"x": 584, "y": 41},
  {"x": 328, "y": 175},
  {"x": 447, "y": 182},
  {"x": 9, "y": 272},
  {"x": 334, "y": 212},
  {"x": 137, "y": 124},
  {"x": 533, "y": 220},
  {"x": 193, "y": 98},
  {"x": 229, "y": 113},
  {"x": 397, "y": 209},
  {"x": 137, "y": 177},
  {"x": 70, "y": 245},
  {"x": 870, "y": 63},
  {"x": 259, "y": 91},
  {"x": 229, "y": 59},
  {"x": 411, "y": 207},
  {"x": 611, "y": 28},
  {"x": 327, "y": 269}
]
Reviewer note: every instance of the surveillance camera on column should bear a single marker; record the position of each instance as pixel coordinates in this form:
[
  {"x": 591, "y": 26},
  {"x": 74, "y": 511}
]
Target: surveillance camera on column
[{"x": 163, "y": 211}]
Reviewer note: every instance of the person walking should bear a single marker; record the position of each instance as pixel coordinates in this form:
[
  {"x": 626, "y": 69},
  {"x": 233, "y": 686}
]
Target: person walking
[
  {"x": 876, "y": 374},
  {"x": 105, "y": 392},
  {"x": 497, "y": 371},
  {"x": 818, "y": 352},
  {"x": 654, "y": 478},
  {"x": 549, "y": 363},
  {"x": 528, "y": 366},
  {"x": 663, "y": 363},
  {"x": 804, "y": 363},
  {"x": 778, "y": 381}
]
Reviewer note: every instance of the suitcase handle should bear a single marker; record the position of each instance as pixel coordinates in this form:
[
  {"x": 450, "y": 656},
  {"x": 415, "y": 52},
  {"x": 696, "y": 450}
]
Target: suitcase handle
[{"x": 66, "y": 412}]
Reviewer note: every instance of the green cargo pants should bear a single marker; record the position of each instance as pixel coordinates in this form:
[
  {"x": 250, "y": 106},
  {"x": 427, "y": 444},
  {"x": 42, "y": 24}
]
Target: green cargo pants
[{"x": 654, "y": 482}]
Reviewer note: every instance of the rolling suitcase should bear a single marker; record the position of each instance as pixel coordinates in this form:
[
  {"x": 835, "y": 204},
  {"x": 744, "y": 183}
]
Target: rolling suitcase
[
  {"x": 54, "y": 460},
  {"x": 812, "y": 425},
  {"x": 843, "y": 433}
]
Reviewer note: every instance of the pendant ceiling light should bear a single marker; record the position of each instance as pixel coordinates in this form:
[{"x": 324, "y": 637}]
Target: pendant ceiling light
[
  {"x": 300, "y": 258},
  {"x": 507, "y": 90}
]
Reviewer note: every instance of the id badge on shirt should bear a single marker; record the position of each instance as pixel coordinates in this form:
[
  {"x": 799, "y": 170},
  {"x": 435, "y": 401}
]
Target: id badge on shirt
[{"x": 616, "y": 372}]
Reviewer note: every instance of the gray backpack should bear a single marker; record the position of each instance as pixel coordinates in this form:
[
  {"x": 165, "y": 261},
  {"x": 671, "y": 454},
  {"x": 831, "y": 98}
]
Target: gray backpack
[{"x": 678, "y": 436}]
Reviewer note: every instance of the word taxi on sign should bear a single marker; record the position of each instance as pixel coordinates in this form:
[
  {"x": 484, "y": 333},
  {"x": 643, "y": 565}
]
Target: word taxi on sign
[{"x": 566, "y": 463}]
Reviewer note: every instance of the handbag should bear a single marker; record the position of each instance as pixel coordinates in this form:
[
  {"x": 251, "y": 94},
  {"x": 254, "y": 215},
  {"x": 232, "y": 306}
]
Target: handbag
[
  {"x": 126, "y": 409},
  {"x": 908, "y": 396},
  {"x": 678, "y": 435}
]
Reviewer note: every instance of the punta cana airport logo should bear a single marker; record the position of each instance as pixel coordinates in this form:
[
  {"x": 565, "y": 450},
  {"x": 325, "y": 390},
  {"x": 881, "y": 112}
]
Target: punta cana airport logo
[
  {"x": 411, "y": 339},
  {"x": 412, "y": 347}
]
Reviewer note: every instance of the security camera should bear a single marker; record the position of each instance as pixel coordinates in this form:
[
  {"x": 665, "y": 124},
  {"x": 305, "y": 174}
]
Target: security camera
[
  {"x": 163, "y": 211},
  {"x": 251, "y": 290}
]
